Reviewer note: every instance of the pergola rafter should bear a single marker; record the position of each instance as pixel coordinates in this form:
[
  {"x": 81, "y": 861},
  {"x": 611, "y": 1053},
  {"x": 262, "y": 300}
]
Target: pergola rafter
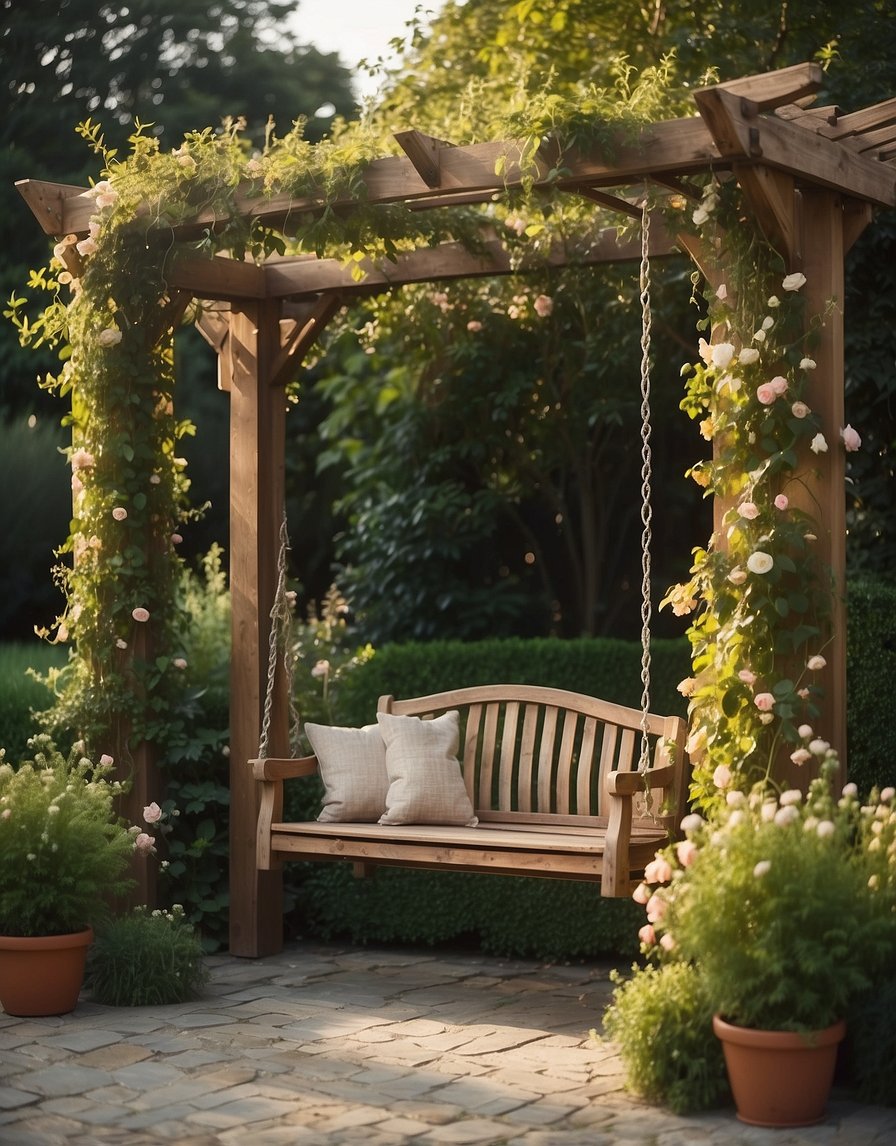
[{"x": 810, "y": 175}]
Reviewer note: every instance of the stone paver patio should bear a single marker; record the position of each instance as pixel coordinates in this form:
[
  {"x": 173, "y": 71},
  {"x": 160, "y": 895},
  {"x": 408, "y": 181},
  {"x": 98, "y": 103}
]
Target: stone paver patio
[{"x": 360, "y": 1045}]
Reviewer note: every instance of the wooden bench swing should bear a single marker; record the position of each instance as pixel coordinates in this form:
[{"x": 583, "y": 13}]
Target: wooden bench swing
[{"x": 554, "y": 783}]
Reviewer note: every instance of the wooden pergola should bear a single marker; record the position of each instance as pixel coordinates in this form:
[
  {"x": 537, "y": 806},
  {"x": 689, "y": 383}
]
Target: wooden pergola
[{"x": 811, "y": 175}]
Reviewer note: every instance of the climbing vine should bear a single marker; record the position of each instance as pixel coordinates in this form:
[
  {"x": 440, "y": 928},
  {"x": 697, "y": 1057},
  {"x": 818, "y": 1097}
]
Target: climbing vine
[{"x": 758, "y": 594}]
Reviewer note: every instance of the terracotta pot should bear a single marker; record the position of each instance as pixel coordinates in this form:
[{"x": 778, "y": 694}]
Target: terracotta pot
[
  {"x": 42, "y": 975},
  {"x": 779, "y": 1078}
]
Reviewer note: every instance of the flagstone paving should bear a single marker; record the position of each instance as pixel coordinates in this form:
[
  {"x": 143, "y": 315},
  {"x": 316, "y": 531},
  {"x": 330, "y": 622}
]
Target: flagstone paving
[{"x": 323, "y": 1044}]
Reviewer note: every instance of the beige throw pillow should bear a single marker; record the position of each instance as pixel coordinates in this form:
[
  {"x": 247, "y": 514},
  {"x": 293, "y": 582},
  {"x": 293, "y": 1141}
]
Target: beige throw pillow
[
  {"x": 425, "y": 781},
  {"x": 352, "y": 765}
]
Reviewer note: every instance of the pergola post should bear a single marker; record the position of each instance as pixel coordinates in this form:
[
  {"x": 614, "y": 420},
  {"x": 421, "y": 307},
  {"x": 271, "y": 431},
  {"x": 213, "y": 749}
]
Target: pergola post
[
  {"x": 822, "y": 252},
  {"x": 257, "y": 428}
]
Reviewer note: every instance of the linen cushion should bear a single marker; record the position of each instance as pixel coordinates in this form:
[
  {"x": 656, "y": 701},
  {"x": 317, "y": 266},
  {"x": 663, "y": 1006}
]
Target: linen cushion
[
  {"x": 352, "y": 765},
  {"x": 425, "y": 781}
]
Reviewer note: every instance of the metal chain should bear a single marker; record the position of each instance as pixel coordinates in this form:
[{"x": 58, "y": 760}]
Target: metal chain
[
  {"x": 280, "y": 636},
  {"x": 646, "y": 474}
]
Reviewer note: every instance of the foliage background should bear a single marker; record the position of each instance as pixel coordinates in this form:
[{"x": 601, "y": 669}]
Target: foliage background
[{"x": 484, "y": 504}]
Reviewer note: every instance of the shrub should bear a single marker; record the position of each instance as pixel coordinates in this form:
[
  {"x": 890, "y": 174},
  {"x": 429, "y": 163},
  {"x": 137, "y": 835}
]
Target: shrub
[
  {"x": 23, "y": 691},
  {"x": 146, "y": 959},
  {"x": 871, "y": 677},
  {"x": 662, "y": 1020},
  {"x": 513, "y": 917}
]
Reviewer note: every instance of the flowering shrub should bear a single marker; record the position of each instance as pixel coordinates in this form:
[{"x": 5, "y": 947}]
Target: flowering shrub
[
  {"x": 783, "y": 902},
  {"x": 324, "y": 657},
  {"x": 63, "y": 853}
]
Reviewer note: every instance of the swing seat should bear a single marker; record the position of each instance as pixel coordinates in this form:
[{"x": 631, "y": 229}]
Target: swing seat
[{"x": 553, "y": 777}]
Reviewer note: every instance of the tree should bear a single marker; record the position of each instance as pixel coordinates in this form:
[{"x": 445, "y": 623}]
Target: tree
[
  {"x": 181, "y": 65},
  {"x": 450, "y": 529}
]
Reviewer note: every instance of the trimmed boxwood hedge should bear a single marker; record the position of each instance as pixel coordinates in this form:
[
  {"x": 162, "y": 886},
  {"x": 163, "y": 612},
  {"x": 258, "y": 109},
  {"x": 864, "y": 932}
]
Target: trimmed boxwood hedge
[{"x": 555, "y": 919}]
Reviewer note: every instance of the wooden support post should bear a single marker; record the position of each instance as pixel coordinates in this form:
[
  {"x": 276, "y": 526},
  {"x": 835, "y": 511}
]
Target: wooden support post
[
  {"x": 822, "y": 490},
  {"x": 257, "y": 428}
]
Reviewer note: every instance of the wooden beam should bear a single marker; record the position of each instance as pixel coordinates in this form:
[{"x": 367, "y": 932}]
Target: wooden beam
[
  {"x": 257, "y": 433},
  {"x": 304, "y": 279},
  {"x": 680, "y": 146},
  {"x": 611, "y": 202},
  {"x": 876, "y": 140},
  {"x": 819, "y": 486},
  {"x": 770, "y": 195},
  {"x": 857, "y": 122},
  {"x": 48, "y": 202},
  {"x": 857, "y": 215},
  {"x": 217, "y": 277},
  {"x": 774, "y": 89},
  {"x": 302, "y": 332},
  {"x": 424, "y": 153},
  {"x": 213, "y": 323},
  {"x": 743, "y": 136}
]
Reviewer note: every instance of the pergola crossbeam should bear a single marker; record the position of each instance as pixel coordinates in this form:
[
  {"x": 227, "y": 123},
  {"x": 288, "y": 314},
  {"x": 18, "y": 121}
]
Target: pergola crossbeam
[{"x": 743, "y": 135}]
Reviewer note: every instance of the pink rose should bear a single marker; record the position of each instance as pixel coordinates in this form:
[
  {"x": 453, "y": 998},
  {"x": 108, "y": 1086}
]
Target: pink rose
[
  {"x": 106, "y": 760},
  {"x": 647, "y": 935},
  {"x": 176, "y": 539},
  {"x": 816, "y": 663},
  {"x": 179, "y": 663},
  {"x": 801, "y": 756},
  {"x": 656, "y": 908},
  {"x": 119, "y": 513},
  {"x": 782, "y": 501},
  {"x": 764, "y": 701},
  {"x": 152, "y": 813},
  {"x": 851, "y": 439},
  {"x": 474, "y": 325},
  {"x": 799, "y": 410},
  {"x": 748, "y": 510},
  {"x": 544, "y": 304},
  {"x": 667, "y": 942},
  {"x": 747, "y": 677},
  {"x": 659, "y": 870},
  {"x": 82, "y": 460},
  {"x": 779, "y": 385},
  {"x": 641, "y": 894},
  {"x": 686, "y": 852},
  {"x": 145, "y": 844},
  {"x": 140, "y": 614},
  {"x": 766, "y": 393}
]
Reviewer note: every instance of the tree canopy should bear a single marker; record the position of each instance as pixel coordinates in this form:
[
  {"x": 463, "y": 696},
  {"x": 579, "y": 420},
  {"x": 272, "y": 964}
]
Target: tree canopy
[
  {"x": 180, "y": 65},
  {"x": 529, "y": 517}
]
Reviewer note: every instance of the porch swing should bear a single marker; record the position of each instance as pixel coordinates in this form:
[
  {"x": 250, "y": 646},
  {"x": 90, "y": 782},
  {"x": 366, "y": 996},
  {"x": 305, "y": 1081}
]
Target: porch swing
[{"x": 506, "y": 779}]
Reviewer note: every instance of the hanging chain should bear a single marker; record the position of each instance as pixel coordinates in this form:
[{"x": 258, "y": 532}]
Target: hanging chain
[
  {"x": 646, "y": 474},
  {"x": 280, "y": 637}
]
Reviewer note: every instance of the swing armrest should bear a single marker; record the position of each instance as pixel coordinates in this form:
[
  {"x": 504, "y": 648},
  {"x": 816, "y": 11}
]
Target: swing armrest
[
  {"x": 273, "y": 769},
  {"x": 271, "y": 774},
  {"x": 633, "y": 783}
]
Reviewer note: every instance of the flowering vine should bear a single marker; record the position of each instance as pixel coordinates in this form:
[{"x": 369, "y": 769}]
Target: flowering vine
[{"x": 758, "y": 594}]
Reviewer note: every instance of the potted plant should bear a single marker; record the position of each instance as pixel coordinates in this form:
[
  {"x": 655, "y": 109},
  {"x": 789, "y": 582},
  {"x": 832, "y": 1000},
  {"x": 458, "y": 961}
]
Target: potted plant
[
  {"x": 63, "y": 855},
  {"x": 783, "y": 903}
]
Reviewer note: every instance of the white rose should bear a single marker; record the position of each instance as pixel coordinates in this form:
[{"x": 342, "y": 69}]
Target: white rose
[
  {"x": 760, "y": 562},
  {"x": 794, "y": 281}
]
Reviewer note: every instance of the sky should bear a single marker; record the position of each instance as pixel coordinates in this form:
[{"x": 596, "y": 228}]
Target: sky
[{"x": 357, "y": 29}]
